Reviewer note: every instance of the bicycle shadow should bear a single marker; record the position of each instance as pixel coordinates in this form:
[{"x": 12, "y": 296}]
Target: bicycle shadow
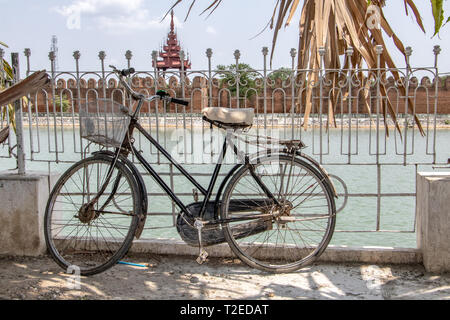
[{"x": 174, "y": 278}]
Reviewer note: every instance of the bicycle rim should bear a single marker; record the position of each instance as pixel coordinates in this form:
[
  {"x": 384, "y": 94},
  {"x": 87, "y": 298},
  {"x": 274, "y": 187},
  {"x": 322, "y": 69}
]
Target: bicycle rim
[
  {"x": 92, "y": 240},
  {"x": 288, "y": 238}
]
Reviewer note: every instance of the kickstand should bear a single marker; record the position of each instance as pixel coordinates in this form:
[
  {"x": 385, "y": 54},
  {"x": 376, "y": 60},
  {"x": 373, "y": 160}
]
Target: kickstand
[{"x": 202, "y": 252}]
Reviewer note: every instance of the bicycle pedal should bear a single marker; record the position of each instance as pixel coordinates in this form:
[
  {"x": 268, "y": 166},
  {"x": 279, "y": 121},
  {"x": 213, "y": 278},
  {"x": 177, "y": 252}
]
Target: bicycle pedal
[{"x": 202, "y": 257}]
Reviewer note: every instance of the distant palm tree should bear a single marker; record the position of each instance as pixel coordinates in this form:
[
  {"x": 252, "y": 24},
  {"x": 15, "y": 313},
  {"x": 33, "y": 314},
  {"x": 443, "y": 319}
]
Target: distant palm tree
[
  {"x": 6, "y": 79},
  {"x": 338, "y": 25}
]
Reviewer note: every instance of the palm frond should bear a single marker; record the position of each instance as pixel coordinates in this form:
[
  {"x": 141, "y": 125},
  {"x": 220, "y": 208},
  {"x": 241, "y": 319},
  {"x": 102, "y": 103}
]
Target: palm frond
[{"x": 338, "y": 25}]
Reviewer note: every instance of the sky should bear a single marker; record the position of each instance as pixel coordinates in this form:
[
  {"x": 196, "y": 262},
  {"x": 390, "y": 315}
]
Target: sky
[{"x": 116, "y": 26}]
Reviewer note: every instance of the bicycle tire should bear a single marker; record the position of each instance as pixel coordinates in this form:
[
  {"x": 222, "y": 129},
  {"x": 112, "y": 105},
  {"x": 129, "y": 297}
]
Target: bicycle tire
[
  {"x": 271, "y": 255},
  {"x": 107, "y": 243}
]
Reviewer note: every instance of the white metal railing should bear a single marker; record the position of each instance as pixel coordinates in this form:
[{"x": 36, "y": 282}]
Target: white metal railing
[{"x": 362, "y": 134}]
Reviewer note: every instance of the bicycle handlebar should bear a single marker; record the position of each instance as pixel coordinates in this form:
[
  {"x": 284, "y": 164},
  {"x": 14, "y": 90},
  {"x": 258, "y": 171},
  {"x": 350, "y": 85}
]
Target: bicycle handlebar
[
  {"x": 178, "y": 101},
  {"x": 139, "y": 96},
  {"x": 127, "y": 72}
]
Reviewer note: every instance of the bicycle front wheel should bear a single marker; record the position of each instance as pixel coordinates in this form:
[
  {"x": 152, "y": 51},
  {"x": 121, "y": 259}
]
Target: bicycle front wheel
[
  {"x": 288, "y": 235},
  {"x": 92, "y": 236}
]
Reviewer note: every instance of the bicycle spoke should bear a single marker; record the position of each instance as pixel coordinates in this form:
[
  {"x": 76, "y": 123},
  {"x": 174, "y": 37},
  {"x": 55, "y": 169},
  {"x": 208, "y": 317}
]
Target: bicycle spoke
[
  {"x": 298, "y": 229},
  {"x": 80, "y": 235}
]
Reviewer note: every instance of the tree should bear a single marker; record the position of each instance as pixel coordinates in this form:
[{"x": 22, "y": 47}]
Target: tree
[
  {"x": 337, "y": 25},
  {"x": 281, "y": 73},
  {"x": 244, "y": 78},
  {"x": 6, "y": 79},
  {"x": 62, "y": 103}
]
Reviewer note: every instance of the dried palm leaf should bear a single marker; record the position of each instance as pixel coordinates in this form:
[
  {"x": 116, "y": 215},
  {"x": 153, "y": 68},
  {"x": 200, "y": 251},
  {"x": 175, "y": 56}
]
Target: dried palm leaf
[
  {"x": 4, "y": 134},
  {"x": 30, "y": 84},
  {"x": 337, "y": 25}
]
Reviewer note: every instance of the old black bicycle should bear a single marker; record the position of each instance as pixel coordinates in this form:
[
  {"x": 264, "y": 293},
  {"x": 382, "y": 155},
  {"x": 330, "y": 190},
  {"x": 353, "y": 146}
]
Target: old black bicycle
[{"x": 275, "y": 208}]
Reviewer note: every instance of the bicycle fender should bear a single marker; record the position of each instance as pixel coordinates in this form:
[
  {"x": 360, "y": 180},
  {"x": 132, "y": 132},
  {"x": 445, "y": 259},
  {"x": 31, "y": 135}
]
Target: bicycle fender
[
  {"x": 141, "y": 186},
  {"x": 321, "y": 169},
  {"x": 222, "y": 186}
]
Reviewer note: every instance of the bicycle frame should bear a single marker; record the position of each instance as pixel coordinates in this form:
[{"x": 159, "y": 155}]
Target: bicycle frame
[
  {"x": 235, "y": 199},
  {"x": 206, "y": 192},
  {"x": 129, "y": 147}
]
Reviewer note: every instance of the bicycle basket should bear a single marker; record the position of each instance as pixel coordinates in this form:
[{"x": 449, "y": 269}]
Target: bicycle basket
[{"x": 104, "y": 122}]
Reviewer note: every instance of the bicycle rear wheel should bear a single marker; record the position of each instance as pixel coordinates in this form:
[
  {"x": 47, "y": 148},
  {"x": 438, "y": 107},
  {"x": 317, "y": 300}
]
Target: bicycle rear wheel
[
  {"x": 289, "y": 236},
  {"x": 92, "y": 238}
]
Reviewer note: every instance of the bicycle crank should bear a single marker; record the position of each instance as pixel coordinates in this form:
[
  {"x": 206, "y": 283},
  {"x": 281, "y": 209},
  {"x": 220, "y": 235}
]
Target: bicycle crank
[{"x": 198, "y": 224}]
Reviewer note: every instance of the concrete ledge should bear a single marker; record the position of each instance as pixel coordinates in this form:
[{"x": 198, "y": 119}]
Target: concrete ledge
[
  {"x": 372, "y": 255},
  {"x": 433, "y": 220},
  {"x": 375, "y": 255},
  {"x": 23, "y": 199}
]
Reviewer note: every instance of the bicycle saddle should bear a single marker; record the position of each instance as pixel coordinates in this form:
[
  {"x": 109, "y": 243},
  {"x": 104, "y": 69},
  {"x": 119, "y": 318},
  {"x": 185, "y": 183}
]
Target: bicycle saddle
[{"x": 230, "y": 116}]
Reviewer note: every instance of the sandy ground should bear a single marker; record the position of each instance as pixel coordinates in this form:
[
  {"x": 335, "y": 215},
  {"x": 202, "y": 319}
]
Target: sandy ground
[{"x": 175, "y": 277}]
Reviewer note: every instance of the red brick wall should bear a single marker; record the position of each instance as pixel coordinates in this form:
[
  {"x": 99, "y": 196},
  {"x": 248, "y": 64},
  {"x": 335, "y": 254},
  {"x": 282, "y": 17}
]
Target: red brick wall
[{"x": 278, "y": 99}]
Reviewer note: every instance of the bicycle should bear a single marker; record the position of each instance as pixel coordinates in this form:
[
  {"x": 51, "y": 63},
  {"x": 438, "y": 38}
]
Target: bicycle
[{"x": 275, "y": 209}]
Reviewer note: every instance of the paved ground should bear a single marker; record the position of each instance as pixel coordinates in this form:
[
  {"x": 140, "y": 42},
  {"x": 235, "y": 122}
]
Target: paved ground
[{"x": 174, "y": 277}]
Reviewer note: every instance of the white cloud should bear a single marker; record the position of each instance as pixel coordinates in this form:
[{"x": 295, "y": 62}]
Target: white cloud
[
  {"x": 211, "y": 30},
  {"x": 115, "y": 16},
  {"x": 96, "y": 6}
]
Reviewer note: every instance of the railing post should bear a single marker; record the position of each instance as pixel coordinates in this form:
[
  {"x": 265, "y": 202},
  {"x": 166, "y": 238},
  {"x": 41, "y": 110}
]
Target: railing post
[
  {"x": 408, "y": 52},
  {"x": 293, "y": 54},
  {"x": 102, "y": 56},
  {"x": 128, "y": 56},
  {"x": 379, "y": 51},
  {"x": 18, "y": 113},
  {"x": 322, "y": 52},
  {"x": 349, "y": 105},
  {"x": 436, "y": 51},
  {"x": 182, "y": 80},
  {"x": 265, "y": 51},
  {"x": 210, "y": 84},
  {"x": 27, "y": 53},
  {"x": 156, "y": 75},
  {"x": 182, "y": 76},
  {"x": 52, "y": 56},
  {"x": 77, "y": 55},
  {"x": 209, "y": 55},
  {"x": 237, "y": 55}
]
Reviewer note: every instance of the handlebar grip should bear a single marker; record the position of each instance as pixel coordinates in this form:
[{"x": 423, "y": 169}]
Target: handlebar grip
[
  {"x": 178, "y": 101},
  {"x": 127, "y": 72}
]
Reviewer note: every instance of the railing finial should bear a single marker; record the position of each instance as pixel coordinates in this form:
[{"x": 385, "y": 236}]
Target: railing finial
[
  {"x": 154, "y": 55},
  {"x": 322, "y": 51},
  {"x": 408, "y": 51},
  {"x": 350, "y": 51},
  {"x": 379, "y": 49},
  {"x": 237, "y": 54},
  {"x": 102, "y": 55},
  {"x": 437, "y": 50},
  {"x": 128, "y": 55},
  {"x": 76, "y": 55}
]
